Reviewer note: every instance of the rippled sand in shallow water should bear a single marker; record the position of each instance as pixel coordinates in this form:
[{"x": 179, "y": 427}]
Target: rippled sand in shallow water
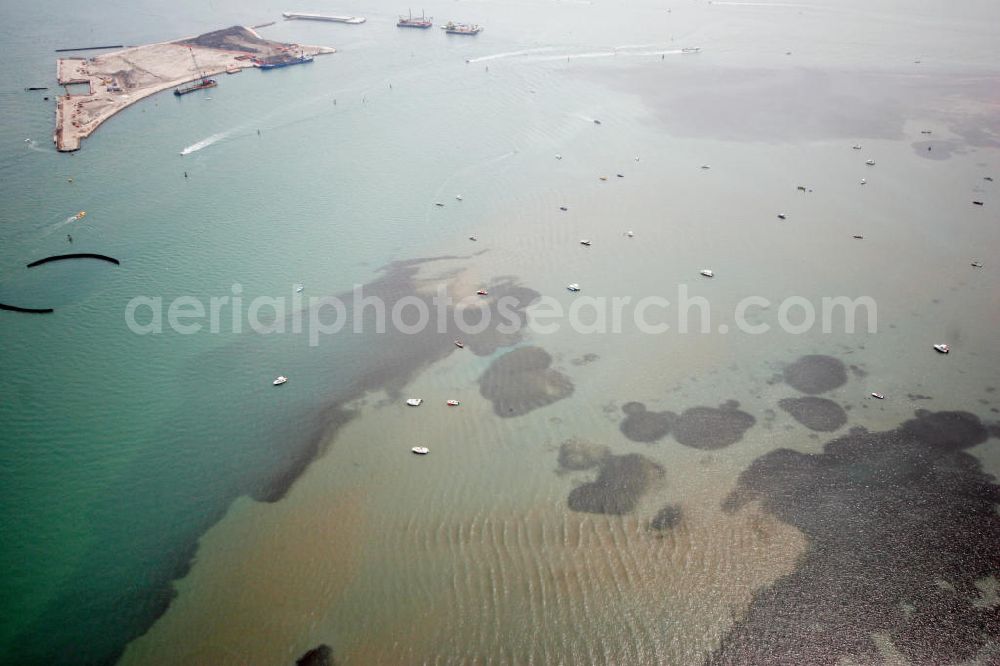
[{"x": 397, "y": 559}]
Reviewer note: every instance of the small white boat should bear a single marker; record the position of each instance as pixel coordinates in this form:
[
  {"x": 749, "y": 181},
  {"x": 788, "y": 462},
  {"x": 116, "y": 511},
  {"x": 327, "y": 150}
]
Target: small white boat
[
  {"x": 878, "y": 396},
  {"x": 558, "y": 156},
  {"x": 298, "y": 289},
  {"x": 414, "y": 402},
  {"x": 856, "y": 146},
  {"x": 870, "y": 162},
  {"x": 563, "y": 208},
  {"x": 458, "y": 197},
  {"x": 941, "y": 347},
  {"x": 472, "y": 238},
  {"x": 452, "y": 403},
  {"x": 439, "y": 204},
  {"x": 864, "y": 180},
  {"x": 459, "y": 344},
  {"x": 859, "y": 236},
  {"x": 585, "y": 242},
  {"x": 977, "y": 264},
  {"x": 782, "y": 216},
  {"x": 280, "y": 380},
  {"x": 421, "y": 450},
  {"x": 708, "y": 273},
  {"x": 483, "y": 292},
  {"x": 573, "y": 287},
  {"x": 630, "y": 233}
]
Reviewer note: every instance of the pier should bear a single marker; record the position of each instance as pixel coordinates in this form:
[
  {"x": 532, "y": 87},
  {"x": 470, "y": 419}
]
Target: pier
[{"x": 92, "y": 48}]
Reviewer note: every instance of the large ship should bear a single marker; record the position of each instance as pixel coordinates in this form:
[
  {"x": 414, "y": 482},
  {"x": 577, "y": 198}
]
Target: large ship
[
  {"x": 275, "y": 64},
  {"x": 200, "y": 84},
  {"x": 410, "y": 22},
  {"x": 324, "y": 17},
  {"x": 461, "y": 28}
]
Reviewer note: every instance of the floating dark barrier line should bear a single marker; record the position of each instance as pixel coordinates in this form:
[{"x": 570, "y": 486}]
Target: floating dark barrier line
[
  {"x": 91, "y": 48},
  {"x": 14, "y": 308},
  {"x": 84, "y": 255},
  {"x": 30, "y": 88}
]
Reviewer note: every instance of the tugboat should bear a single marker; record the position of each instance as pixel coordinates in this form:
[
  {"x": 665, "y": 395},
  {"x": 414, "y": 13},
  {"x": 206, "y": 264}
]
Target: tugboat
[
  {"x": 409, "y": 22},
  {"x": 462, "y": 28}
]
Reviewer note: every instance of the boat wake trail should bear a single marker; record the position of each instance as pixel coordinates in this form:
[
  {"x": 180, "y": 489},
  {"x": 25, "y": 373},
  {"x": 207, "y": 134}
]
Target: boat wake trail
[
  {"x": 52, "y": 228},
  {"x": 763, "y": 4},
  {"x": 205, "y": 143},
  {"x": 616, "y": 52},
  {"x": 31, "y": 145},
  {"x": 513, "y": 54},
  {"x": 552, "y": 53}
]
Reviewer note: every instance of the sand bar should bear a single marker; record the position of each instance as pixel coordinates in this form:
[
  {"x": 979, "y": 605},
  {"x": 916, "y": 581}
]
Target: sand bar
[{"x": 123, "y": 77}]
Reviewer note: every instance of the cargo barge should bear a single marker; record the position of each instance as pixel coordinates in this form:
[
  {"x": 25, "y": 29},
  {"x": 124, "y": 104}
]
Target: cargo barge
[
  {"x": 354, "y": 20},
  {"x": 298, "y": 60},
  {"x": 197, "y": 85},
  {"x": 462, "y": 28}
]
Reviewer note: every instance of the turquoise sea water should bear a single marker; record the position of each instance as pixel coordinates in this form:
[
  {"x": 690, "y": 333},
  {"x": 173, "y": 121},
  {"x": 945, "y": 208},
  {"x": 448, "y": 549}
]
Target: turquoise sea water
[{"x": 118, "y": 451}]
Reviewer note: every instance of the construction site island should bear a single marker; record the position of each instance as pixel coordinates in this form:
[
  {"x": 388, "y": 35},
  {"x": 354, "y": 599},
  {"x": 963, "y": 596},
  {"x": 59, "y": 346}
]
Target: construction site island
[{"x": 121, "y": 78}]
